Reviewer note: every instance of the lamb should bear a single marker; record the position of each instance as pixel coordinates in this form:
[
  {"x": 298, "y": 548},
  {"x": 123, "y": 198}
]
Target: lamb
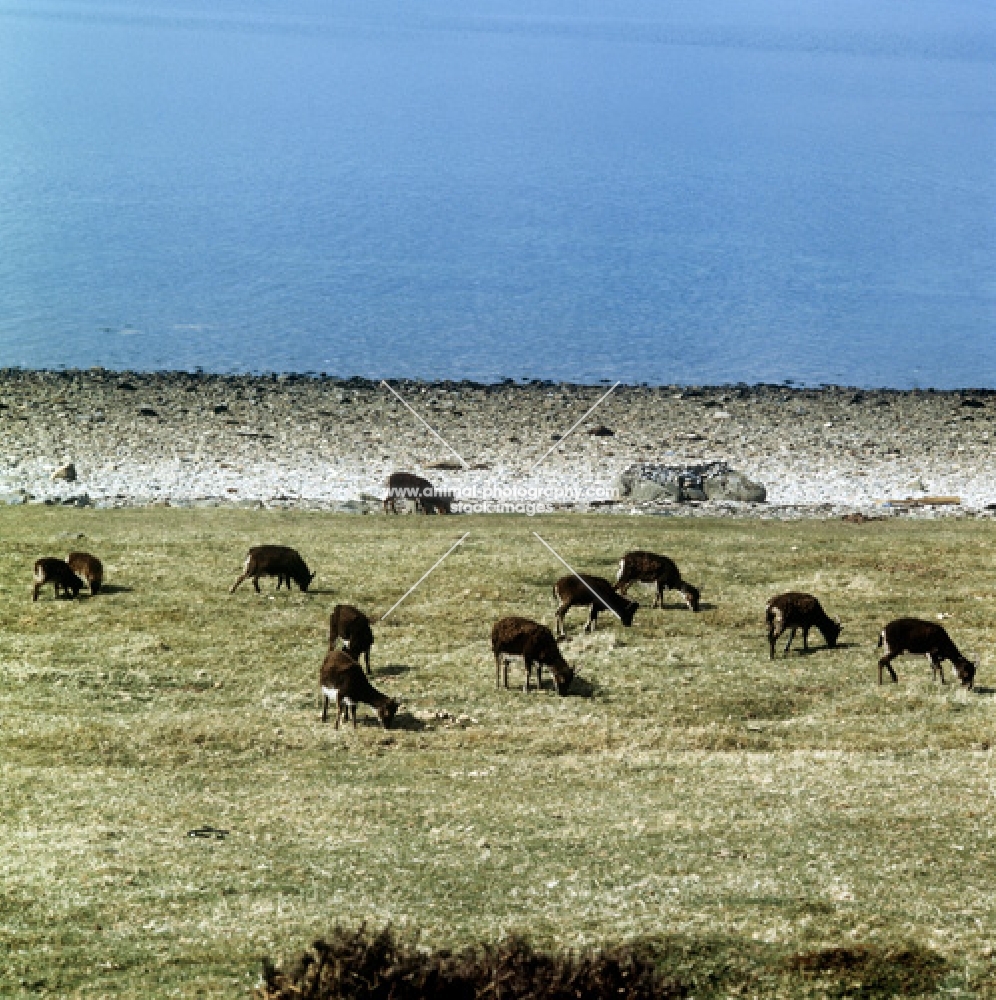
[
  {"x": 408, "y": 486},
  {"x": 535, "y": 643},
  {"x": 57, "y": 573},
  {"x": 88, "y": 568},
  {"x": 595, "y": 592},
  {"x": 648, "y": 567},
  {"x": 799, "y": 611},
  {"x": 343, "y": 681},
  {"x": 913, "y": 635},
  {"x": 275, "y": 560},
  {"x": 353, "y": 627}
]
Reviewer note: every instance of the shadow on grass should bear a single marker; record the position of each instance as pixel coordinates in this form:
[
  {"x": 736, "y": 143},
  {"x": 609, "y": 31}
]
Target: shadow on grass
[
  {"x": 408, "y": 723},
  {"x": 372, "y": 965},
  {"x": 797, "y": 650},
  {"x": 979, "y": 689},
  {"x": 392, "y": 670},
  {"x": 114, "y": 588},
  {"x": 581, "y": 687},
  {"x": 823, "y": 649}
]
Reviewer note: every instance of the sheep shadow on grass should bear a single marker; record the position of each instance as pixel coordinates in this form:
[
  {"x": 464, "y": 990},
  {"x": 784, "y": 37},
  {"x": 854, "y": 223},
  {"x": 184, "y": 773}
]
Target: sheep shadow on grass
[
  {"x": 408, "y": 722},
  {"x": 581, "y": 687},
  {"x": 392, "y": 670}
]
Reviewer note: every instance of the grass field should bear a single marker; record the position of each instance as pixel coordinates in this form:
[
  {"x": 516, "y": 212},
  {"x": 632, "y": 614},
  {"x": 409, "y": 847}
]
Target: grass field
[{"x": 750, "y": 813}]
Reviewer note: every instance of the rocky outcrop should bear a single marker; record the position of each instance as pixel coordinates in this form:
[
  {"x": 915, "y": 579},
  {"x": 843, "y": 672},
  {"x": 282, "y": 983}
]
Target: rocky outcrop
[{"x": 646, "y": 481}]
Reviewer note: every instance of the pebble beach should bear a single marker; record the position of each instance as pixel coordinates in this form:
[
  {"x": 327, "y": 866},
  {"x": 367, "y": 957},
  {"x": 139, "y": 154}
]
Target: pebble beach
[{"x": 108, "y": 438}]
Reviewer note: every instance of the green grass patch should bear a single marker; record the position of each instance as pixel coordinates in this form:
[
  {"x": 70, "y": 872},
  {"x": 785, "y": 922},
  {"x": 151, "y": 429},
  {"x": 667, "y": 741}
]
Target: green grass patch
[{"x": 770, "y": 827}]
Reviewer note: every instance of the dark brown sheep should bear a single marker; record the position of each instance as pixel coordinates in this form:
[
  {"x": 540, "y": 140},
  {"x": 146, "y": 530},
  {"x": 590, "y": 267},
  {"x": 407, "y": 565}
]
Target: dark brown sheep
[
  {"x": 648, "y": 567},
  {"x": 88, "y": 568},
  {"x": 799, "y": 611},
  {"x": 275, "y": 560},
  {"x": 594, "y": 592},
  {"x": 921, "y": 638},
  {"x": 535, "y": 644},
  {"x": 353, "y": 627},
  {"x": 344, "y": 682},
  {"x": 56, "y": 572},
  {"x": 408, "y": 486}
]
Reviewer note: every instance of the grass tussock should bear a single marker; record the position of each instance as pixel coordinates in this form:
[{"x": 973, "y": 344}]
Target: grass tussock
[
  {"x": 863, "y": 971},
  {"x": 363, "y": 965}
]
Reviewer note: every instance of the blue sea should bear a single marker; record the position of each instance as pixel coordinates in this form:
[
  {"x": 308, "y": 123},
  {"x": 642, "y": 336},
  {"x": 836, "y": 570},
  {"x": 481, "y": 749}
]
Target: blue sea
[{"x": 663, "y": 192}]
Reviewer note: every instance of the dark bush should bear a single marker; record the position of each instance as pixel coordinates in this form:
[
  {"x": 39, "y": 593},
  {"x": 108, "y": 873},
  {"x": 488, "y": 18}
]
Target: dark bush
[{"x": 364, "y": 965}]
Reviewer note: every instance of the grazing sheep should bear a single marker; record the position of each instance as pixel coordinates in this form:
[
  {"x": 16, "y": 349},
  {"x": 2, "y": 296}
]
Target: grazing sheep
[
  {"x": 353, "y": 627},
  {"x": 408, "y": 486},
  {"x": 913, "y": 635},
  {"x": 799, "y": 611},
  {"x": 88, "y": 568},
  {"x": 275, "y": 560},
  {"x": 57, "y": 573},
  {"x": 535, "y": 644},
  {"x": 594, "y": 592},
  {"x": 648, "y": 567},
  {"x": 344, "y": 682}
]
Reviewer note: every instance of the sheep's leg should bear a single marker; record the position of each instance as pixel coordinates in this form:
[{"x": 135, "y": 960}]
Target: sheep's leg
[
  {"x": 592, "y": 618},
  {"x": 352, "y": 711},
  {"x": 789, "y": 643},
  {"x": 561, "y": 613},
  {"x": 529, "y": 672},
  {"x": 497, "y": 670},
  {"x": 937, "y": 667},
  {"x": 659, "y": 599},
  {"x": 539, "y": 676},
  {"x": 773, "y": 638},
  {"x": 255, "y": 583},
  {"x": 325, "y": 707},
  {"x": 34, "y": 595},
  {"x": 338, "y": 710},
  {"x": 805, "y": 640},
  {"x": 886, "y": 662}
]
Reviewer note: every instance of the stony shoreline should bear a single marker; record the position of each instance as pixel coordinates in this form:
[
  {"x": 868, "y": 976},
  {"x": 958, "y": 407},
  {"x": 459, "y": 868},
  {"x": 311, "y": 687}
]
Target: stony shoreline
[{"x": 188, "y": 439}]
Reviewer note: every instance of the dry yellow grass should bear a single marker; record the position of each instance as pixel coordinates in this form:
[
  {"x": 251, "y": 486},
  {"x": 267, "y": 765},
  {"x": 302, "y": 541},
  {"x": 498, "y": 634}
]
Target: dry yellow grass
[{"x": 749, "y": 810}]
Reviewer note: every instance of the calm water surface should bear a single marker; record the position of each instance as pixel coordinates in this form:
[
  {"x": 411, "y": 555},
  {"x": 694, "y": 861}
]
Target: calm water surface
[{"x": 663, "y": 192}]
